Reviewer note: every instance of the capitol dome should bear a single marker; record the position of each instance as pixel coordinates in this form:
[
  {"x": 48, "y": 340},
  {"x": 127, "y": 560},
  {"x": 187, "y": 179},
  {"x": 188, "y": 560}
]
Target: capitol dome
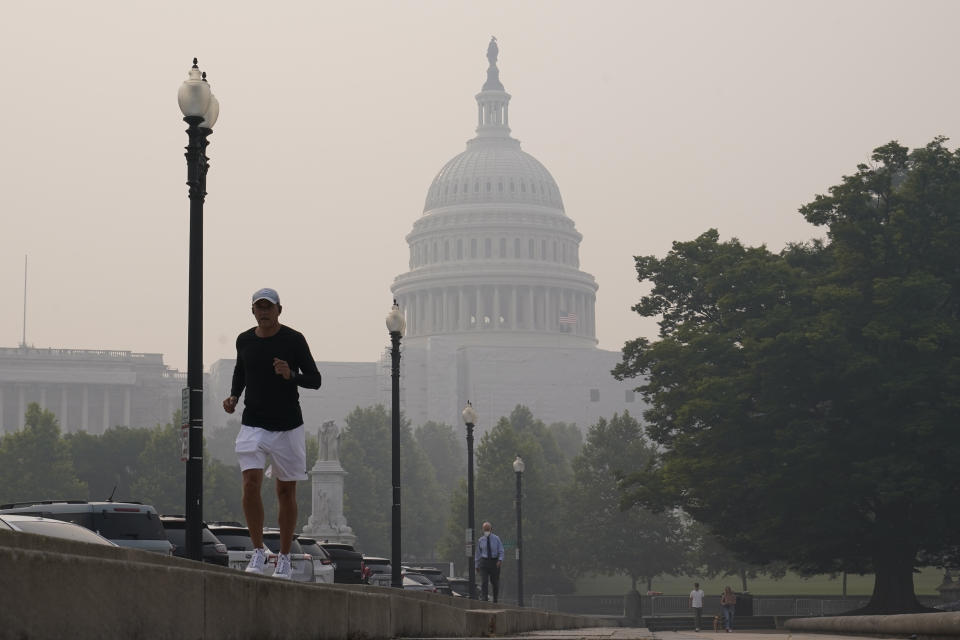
[
  {"x": 494, "y": 259},
  {"x": 493, "y": 170}
]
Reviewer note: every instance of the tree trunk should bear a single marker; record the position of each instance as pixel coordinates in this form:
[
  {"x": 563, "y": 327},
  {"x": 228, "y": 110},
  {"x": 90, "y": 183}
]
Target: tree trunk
[
  {"x": 743, "y": 580},
  {"x": 893, "y": 586},
  {"x": 649, "y": 584}
]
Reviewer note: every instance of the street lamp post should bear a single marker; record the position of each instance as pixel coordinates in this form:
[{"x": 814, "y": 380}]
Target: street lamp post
[
  {"x": 518, "y": 467},
  {"x": 200, "y": 110},
  {"x": 395, "y": 325},
  {"x": 470, "y": 419}
]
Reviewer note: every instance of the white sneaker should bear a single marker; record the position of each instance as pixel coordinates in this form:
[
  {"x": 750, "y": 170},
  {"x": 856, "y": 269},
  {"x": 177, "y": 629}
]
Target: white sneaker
[
  {"x": 283, "y": 570},
  {"x": 257, "y": 560}
]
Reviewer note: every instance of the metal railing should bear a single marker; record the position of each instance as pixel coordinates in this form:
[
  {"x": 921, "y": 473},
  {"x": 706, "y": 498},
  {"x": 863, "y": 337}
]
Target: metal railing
[
  {"x": 679, "y": 606},
  {"x": 804, "y": 606},
  {"x": 99, "y": 354},
  {"x": 664, "y": 606}
]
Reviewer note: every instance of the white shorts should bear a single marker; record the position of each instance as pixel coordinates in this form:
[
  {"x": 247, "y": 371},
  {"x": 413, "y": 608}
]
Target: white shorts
[{"x": 288, "y": 449}]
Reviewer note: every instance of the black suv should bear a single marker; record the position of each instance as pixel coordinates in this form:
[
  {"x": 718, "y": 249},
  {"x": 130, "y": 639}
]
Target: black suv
[
  {"x": 126, "y": 524},
  {"x": 214, "y": 551},
  {"x": 347, "y": 562}
]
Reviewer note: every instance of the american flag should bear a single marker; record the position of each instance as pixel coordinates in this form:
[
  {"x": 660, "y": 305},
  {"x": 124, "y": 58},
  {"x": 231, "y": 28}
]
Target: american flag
[{"x": 569, "y": 318}]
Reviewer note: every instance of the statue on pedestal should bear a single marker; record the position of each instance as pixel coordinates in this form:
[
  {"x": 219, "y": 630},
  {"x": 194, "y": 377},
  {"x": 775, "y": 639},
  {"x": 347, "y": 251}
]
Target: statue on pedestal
[
  {"x": 327, "y": 521},
  {"x": 330, "y": 441}
]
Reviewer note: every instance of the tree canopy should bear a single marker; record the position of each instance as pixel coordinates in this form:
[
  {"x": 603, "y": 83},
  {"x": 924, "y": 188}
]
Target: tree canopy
[
  {"x": 805, "y": 401},
  {"x": 366, "y": 456},
  {"x": 35, "y": 463},
  {"x": 611, "y": 540}
]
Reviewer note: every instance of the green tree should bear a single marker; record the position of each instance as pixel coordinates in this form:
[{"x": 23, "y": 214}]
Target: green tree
[
  {"x": 610, "y": 539},
  {"x": 366, "y": 455},
  {"x": 161, "y": 479},
  {"x": 107, "y": 463},
  {"x": 35, "y": 462},
  {"x": 446, "y": 451},
  {"x": 452, "y": 546},
  {"x": 546, "y": 552},
  {"x": 806, "y": 401},
  {"x": 568, "y": 437},
  {"x": 221, "y": 443},
  {"x": 709, "y": 558}
]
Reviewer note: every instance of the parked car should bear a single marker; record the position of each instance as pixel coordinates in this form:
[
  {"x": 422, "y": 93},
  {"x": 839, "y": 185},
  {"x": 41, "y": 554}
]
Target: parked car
[
  {"x": 347, "y": 562},
  {"x": 436, "y": 577},
  {"x": 214, "y": 551},
  {"x": 126, "y": 524},
  {"x": 322, "y": 563},
  {"x": 411, "y": 581},
  {"x": 460, "y": 587},
  {"x": 374, "y": 564},
  {"x": 52, "y": 528},
  {"x": 301, "y": 564},
  {"x": 420, "y": 582},
  {"x": 240, "y": 548}
]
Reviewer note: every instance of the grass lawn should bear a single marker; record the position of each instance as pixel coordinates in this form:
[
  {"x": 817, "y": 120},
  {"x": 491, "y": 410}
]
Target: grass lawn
[{"x": 925, "y": 583}]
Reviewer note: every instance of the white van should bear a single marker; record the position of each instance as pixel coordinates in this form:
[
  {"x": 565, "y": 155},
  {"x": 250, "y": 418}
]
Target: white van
[{"x": 126, "y": 524}]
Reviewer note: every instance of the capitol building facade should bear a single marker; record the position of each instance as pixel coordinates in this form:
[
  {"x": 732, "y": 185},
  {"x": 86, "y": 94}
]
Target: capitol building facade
[{"x": 497, "y": 309}]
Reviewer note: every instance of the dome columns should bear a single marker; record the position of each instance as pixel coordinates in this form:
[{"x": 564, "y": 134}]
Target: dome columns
[{"x": 472, "y": 308}]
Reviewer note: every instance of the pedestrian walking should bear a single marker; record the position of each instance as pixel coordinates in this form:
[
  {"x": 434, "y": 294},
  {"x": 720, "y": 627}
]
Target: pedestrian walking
[
  {"x": 696, "y": 603},
  {"x": 273, "y": 360},
  {"x": 488, "y": 559},
  {"x": 728, "y": 601}
]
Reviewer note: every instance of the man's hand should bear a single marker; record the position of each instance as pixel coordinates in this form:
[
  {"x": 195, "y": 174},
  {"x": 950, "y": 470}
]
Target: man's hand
[
  {"x": 281, "y": 368},
  {"x": 499, "y": 562},
  {"x": 230, "y": 404}
]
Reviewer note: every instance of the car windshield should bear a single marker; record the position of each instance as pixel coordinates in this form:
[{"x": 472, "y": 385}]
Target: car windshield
[
  {"x": 236, "y": 540},
  {"x": 272, "y": 541},
  {"x": 179, "y": 537},
  {"x": 433, "y": 576},
  {"x": 119, "y": 525},
  {"x": 312, "y": 548},
  {"x": 418, "y": 578},
  {"x": 58, "y": 529}
]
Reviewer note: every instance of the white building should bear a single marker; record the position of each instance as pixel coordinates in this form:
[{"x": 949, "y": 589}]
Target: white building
[
  {"x": 88, "y": 390},
  {"x": 498, "y": 311}
]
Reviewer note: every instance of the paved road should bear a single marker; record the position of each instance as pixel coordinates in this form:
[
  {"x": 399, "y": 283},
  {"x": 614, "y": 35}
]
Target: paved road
[{"x": 638, "y": 633}]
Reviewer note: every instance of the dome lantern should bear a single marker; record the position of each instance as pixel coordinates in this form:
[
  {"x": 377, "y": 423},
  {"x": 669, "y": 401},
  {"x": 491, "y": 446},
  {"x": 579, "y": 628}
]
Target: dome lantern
[{"x": 493, "y": 102}]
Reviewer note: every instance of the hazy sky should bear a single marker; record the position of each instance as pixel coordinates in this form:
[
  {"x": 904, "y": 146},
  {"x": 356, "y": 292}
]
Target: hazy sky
[{"x": 658, "y": 120}]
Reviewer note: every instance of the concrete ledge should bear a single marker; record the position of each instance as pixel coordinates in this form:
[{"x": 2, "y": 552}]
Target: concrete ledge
[
  {"x": 48, "y": 595},
  {"x": 944, "y": 624},
  {"x": 54, "y": 589}
]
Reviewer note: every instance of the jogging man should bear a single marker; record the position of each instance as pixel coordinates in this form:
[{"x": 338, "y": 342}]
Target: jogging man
[{"x": 272, "y": 361}]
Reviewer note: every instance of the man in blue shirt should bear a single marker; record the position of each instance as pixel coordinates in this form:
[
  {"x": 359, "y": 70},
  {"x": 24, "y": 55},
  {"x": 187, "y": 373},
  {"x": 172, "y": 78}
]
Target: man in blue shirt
[{"x": 488, "y": 558}]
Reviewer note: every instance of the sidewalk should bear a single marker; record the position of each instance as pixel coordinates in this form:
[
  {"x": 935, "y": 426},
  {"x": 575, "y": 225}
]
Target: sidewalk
[{"x": 639, "y": 633}]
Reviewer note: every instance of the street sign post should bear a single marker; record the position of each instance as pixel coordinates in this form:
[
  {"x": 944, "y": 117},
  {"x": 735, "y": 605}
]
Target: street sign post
[{"x": 184, "y": 424}]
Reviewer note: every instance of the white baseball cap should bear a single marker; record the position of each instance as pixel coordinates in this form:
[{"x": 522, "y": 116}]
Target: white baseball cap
[{"x": 270, "y": 295}]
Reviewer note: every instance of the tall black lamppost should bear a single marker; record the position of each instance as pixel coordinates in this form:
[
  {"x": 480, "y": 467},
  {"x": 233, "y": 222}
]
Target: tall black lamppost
[
  {"x": 200, "y": 110},
  {"x": 470, "y": 419},
  {"x": 518, "y": 469},
  {"x": 395, "y": 325}
]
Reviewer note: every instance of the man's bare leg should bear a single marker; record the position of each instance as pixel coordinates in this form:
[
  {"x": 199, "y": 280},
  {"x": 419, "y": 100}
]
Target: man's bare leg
[
  {"x": 253, "y": 505},
  {"x": 287, "y": 512}
]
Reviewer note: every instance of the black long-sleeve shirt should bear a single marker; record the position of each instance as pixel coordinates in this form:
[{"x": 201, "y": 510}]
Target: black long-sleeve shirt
[{"x": 271, "y": 402}]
